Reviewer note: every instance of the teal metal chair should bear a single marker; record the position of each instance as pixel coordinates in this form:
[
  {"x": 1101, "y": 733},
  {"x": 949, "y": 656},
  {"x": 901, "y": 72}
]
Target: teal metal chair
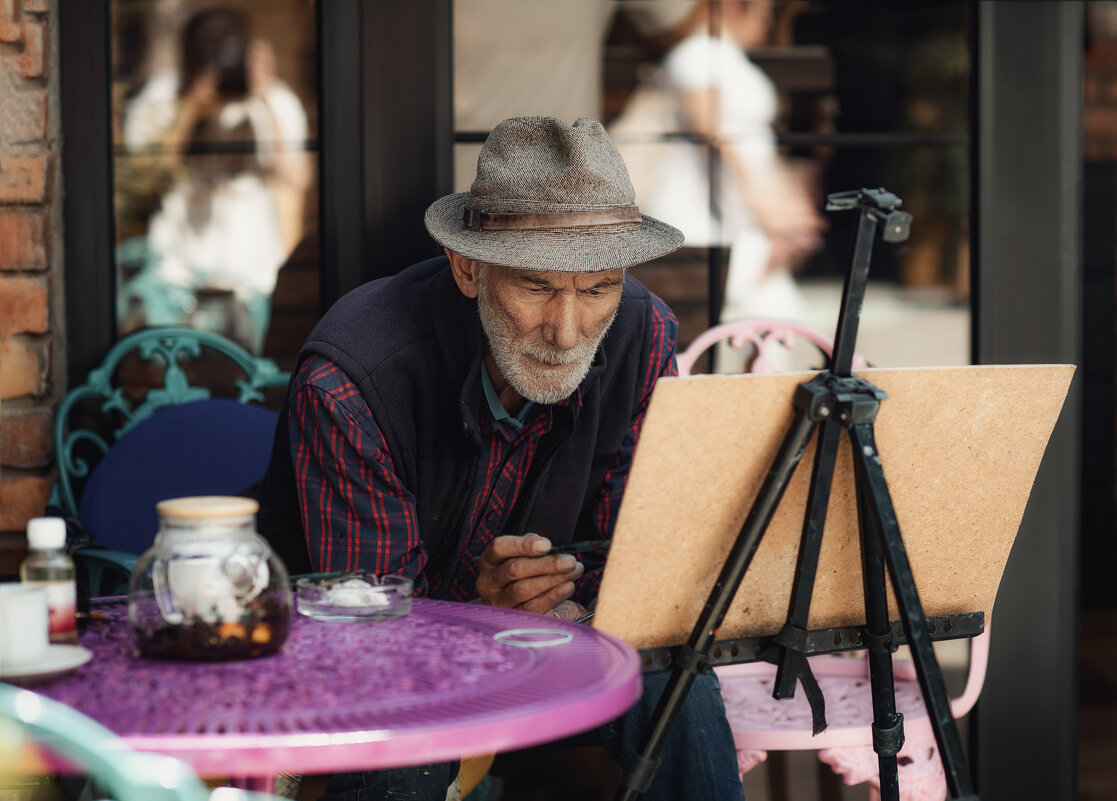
[
  {"x": 147, "y": 425},
  {"x": 32, "y": 725}
]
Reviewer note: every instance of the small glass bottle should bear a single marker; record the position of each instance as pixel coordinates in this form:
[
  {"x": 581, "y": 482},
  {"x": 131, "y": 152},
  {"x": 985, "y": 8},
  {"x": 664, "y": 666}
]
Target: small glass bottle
[{"x": 48, "y": 566}]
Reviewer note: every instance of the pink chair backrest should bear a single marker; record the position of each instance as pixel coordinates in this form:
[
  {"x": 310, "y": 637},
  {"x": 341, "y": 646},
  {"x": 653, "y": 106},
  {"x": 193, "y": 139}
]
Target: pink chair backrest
[
  {"x": 979, "y": 660},
  {"x": 764, "y": 335}
]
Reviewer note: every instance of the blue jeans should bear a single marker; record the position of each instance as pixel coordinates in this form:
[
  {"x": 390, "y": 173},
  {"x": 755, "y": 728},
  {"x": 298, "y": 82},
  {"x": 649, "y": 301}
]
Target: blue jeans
[
  {"x": 423, "y": 783},
  {"x": 697, "y": 761}
]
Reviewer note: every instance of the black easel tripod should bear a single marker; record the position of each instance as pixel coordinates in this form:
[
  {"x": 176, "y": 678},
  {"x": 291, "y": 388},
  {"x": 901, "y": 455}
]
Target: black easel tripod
[{"x": 831, "y": 401}]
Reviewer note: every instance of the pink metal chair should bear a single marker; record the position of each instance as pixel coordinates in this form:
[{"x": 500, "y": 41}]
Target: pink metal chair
[
  {"x": 760, "y": 723},
  {"x": 768, "y": 338}
]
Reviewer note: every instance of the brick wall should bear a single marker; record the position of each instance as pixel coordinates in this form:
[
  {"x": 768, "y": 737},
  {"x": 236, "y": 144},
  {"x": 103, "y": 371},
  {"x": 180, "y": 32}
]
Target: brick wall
[{"x": 31, "y": 315}]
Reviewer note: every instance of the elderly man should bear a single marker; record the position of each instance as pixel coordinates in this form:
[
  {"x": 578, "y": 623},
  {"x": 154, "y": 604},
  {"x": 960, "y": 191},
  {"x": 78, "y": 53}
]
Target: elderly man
[{"x": 454, "y": 421}]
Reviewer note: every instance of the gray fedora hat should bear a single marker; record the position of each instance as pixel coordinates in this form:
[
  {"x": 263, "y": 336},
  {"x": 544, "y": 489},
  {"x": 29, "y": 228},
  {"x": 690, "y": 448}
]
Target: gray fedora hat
[{"x": 552, "y": 197}]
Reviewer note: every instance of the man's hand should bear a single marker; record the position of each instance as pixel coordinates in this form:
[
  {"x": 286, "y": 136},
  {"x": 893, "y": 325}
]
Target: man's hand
[{"x": 516, "y": 573}]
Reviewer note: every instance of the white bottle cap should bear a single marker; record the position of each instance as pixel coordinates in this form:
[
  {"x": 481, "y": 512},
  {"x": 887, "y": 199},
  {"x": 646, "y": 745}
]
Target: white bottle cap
[{"x": 46, "y": 533}]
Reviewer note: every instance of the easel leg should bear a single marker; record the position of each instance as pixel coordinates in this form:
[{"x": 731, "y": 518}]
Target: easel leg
[
  {"x": 637, "y": 776},
  {"x": 874, "y": 490},
  {"x": 792, "y": 663},
  {"x": 888, "y": 725}
]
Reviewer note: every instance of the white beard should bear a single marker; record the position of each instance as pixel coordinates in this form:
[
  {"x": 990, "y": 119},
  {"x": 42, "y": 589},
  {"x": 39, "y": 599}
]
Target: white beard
[{"x": 539, "y": 372}]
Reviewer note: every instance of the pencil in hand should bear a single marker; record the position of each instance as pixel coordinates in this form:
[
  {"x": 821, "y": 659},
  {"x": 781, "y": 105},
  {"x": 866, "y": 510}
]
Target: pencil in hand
[
  {"x": 581, "y": 547},
  {"x": 573, "y": 548}
]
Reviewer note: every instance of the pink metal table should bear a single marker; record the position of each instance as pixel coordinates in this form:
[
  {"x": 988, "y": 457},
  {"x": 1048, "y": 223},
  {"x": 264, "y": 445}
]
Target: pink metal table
[{"x": 448, "y": 680}]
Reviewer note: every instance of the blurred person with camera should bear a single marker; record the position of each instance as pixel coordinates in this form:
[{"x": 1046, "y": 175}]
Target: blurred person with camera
[{"x": 231, "y": 134}]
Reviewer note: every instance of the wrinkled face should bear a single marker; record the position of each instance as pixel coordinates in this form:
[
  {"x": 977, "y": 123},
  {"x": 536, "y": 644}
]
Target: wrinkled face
[{"x": 544, "y": 327}]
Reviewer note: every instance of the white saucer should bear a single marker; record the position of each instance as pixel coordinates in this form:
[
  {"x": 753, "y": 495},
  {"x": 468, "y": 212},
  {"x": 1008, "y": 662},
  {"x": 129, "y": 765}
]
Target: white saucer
[{"x": 59, "y": 659}]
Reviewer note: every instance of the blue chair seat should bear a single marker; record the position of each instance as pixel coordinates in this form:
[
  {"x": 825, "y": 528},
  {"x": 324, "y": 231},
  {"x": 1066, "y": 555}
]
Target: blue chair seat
[{"x": 208, "y": 447}]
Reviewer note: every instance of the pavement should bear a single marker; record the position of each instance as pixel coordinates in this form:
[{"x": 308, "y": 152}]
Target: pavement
[{"x": 898, "y": 327}]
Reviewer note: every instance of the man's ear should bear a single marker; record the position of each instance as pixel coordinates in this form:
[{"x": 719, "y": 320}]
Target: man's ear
[{"x": 465, "y": 272}]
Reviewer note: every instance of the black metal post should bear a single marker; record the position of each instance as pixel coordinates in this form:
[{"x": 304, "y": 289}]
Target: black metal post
[
  {"x": 873, "y": 206},
  {"x": 853, "y": 294},
  {"x": 791, "y": 663},
  {"x": 888, "y": 725},
  {"x": 871, "y": 475}
]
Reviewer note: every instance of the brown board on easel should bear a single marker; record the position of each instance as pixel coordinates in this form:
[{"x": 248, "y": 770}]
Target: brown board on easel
[{"x": 960, "y": 448}]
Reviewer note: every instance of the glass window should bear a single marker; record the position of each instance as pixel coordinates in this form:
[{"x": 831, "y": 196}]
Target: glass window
[
  {"x": 736, "y": 118},
  {"x": 523, "y": 58},
  {"x": 215, "y": 176}
]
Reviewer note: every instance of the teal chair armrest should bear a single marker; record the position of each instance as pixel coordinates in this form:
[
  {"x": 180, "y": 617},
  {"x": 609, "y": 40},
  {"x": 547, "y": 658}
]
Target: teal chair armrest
[
  {"x": 83, "y": 743},
  {"x": 107, "y": 571},
  {"x": 80, "y": 741}
]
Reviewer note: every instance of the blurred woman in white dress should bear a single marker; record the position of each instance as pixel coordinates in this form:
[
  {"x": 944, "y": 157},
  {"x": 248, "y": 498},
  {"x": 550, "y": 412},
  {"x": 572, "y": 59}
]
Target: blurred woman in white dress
[{"x": 761, "y": 210}]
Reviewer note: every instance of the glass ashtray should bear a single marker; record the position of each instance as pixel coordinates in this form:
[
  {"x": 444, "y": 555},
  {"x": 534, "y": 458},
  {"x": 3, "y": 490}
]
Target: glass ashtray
[{"x": 354, "y": 596}]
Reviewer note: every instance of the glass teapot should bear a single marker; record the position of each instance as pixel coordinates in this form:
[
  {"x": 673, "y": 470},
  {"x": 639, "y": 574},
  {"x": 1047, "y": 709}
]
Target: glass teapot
[{"x": 209, "y": 587}]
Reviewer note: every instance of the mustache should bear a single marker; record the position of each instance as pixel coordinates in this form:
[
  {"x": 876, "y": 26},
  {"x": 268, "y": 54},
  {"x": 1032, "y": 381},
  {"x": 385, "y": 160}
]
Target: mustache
[
  {"x": 564, "y": 357},
  {"x": 558, "y": 357}
]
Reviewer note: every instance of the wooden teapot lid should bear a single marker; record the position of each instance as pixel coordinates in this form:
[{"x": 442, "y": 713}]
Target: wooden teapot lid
[{"x": 207, "y": 507}]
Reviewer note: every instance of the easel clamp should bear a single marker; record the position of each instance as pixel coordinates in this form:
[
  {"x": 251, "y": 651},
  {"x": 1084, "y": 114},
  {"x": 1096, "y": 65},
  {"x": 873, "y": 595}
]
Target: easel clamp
[
  {"x": 693, "y": 661},
  {"x": 887, "y": 741},
  {"x": 849, "y": 400},
  {"x": 881, "y": 205}
]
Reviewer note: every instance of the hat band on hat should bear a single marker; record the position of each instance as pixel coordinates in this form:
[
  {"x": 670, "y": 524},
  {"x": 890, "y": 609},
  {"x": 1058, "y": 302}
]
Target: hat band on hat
[{"x": 531, "y": 221}]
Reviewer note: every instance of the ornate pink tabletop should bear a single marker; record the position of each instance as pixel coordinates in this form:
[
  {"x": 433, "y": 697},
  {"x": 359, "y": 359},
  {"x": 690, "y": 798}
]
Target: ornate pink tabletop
[{"x": 443, "y": 682}]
